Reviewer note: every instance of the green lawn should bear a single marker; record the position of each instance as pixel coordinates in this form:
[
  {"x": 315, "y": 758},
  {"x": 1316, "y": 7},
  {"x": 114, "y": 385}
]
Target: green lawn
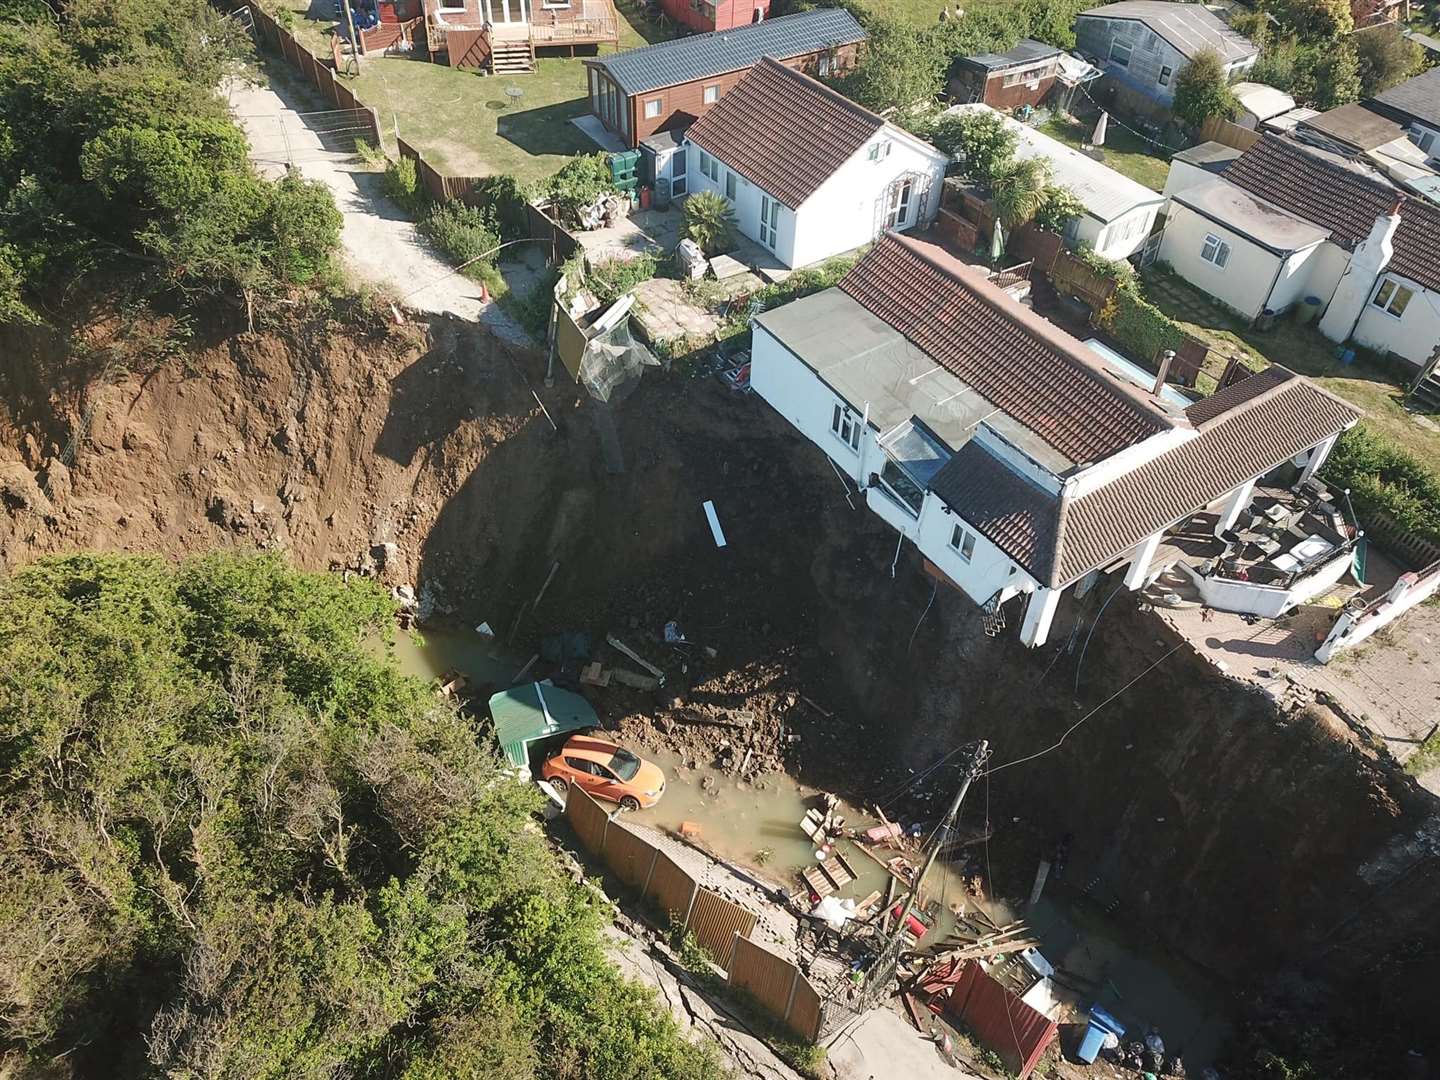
[
  {"x": 1125, "y": 153},
  {"x": 463, "y": 122},
  {"x": 1302, "y": 349}
]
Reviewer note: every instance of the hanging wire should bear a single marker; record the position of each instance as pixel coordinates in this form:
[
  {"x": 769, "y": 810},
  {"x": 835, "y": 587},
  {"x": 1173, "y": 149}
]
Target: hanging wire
[{"x": 1121, "y": 124}]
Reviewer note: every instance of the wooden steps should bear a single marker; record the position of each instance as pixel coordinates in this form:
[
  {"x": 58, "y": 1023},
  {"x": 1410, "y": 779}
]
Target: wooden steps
[{"x": 512, "y": 57}]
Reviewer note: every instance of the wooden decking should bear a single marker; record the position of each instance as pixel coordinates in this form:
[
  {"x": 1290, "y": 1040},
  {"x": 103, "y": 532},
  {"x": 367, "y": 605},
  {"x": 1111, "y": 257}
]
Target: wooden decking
[{"x": 510, "y": 47}]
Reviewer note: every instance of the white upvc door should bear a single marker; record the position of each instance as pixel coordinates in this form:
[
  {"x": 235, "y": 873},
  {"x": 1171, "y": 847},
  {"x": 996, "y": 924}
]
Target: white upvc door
[
  {"x": 897, "y": 208},
  {"x": 769, "y": 221}
]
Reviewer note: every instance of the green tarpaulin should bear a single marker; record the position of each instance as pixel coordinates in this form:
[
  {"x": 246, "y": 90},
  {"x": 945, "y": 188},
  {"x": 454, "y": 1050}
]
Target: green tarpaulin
[{"x": 523, "y": 714}]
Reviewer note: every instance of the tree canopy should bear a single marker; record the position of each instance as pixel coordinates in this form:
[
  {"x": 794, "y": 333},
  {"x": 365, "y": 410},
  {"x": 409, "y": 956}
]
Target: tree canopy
[
  {"x": 233, "y": 843},
  {"x": 1202, "y": 90},
  {"x": 115, "y": 148}
]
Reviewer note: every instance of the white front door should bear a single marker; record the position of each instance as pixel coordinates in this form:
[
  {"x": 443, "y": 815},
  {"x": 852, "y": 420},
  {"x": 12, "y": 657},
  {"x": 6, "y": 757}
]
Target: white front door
[
  {"x": 769, "y": 221},
  {"x": 897, "y": 206}
]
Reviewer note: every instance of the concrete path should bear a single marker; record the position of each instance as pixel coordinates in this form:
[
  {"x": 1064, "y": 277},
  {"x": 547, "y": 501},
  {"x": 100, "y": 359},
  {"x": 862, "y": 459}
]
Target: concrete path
[
  {"x": 882, "y": 1045},
  {"x": 286, "y": 127}
]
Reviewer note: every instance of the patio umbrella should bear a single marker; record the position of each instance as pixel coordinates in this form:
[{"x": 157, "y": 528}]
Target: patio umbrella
[
  {"x": 1098, "y": 139},
  {"x": 997, "y": 244}
]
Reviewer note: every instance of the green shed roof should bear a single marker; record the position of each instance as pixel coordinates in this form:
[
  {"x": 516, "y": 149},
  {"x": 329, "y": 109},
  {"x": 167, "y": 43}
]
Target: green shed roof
[{"x": 523, "y": 714}]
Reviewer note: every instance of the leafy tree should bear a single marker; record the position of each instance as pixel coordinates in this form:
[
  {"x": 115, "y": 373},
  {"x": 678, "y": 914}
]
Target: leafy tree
[
  {"x": 1279, "y": 63},
  {"x": 983, "y": 141},
  {"x": 233, "y": 842},
  {"x": 1019, "y": 190},
  {"x": 1315, "y": 20},
  {"x": 1058, "y": 207},
  {"x": 903, "y": 68},
  {"x": 1386, "y": 58},
  {"x": 116, "y": 149},
  {"x": 709, "y": 221},
  {"x": 1202, "y": 90},
  {"x": 1337, "y": 77}
]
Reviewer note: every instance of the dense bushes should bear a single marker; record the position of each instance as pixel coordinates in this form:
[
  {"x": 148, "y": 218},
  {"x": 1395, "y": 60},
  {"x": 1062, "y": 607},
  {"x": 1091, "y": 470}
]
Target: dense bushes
[
  {"x": 464, "y": 233},
  {"x": 1385, "y": 479},
  {"x": 233, "y": 843},
  {"x": 116, "y": 150}
]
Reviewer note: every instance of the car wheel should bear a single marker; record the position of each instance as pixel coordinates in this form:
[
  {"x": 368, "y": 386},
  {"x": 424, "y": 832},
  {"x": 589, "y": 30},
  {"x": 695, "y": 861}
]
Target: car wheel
[
  {"x": 559, "y": 783},
  {"x": 629, "y": 803}
]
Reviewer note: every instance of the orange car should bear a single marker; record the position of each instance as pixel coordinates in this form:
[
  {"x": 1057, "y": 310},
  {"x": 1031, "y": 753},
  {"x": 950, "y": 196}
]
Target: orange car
[{"x": 605, "y": 771}]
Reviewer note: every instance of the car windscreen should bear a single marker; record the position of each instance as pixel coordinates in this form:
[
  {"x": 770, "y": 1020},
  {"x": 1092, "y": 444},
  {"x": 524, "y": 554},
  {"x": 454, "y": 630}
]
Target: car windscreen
[{"x": 625, "y": 764}]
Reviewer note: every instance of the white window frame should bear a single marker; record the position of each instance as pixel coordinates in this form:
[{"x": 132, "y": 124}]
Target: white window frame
[
  {"x": 1215, "y": 251},
  {"x": 732, "y": 184},
  {"x": 652, "y": 108},
  {"x": 962, "y": 542},
  {"x": 1166, "y": 72},
  {"x": 846, "y": 426},
  {"x": 711, "y": 94},
  {"x": 822, "y": 65},
  {"x": 551, "y": 5},
  {"x": 880, "y": 151},
  {"x": 1389, "y": 294},
  {"x": 452, "y": 5},
  {"x": 1128, "y": 46}
]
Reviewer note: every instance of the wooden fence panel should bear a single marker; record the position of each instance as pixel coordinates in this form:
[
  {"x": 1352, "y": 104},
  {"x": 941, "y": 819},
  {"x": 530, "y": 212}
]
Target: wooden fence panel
[
  {"x": 671, "y": 888},
  {"x": 589, "y": 820},
  {"x": 1233, "y": 135},
  {"x": 805, "y": 1011},
  {"x": 715, "y": 921},
  {"x": 1040, "y": 247},
  {"x": 325, "y": 80},
  {"x": 1072, "y": 276},
  {"x": 768, "y": 978},
  {"x": 629, "y": 855}
]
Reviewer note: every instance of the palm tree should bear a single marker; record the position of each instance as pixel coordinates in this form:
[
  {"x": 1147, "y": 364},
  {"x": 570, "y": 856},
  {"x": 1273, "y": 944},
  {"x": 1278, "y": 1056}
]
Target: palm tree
[
  {"x": 1018, "y": 191},
  {"x": 709, "y": 221}
]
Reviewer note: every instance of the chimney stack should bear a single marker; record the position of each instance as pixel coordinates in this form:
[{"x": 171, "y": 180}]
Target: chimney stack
[{"x": 1166, "y": 359}]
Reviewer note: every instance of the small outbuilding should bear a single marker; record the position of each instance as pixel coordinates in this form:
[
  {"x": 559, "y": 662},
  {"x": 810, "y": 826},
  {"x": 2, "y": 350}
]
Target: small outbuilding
[
  {"x": 526, "y": 714},
  {"x": 1260, "y": 103},
  {"x": 1119, "y": 212},
  {"x": 1020, "y": 76}
]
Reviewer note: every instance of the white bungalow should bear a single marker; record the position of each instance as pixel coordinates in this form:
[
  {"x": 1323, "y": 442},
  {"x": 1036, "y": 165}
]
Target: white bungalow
[
  {"x": 1020, "y": 461},
  {"x": 810, "y": 174}
]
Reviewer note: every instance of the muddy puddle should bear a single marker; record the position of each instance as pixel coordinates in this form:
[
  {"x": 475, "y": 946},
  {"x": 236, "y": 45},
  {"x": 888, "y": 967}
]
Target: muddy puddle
[
  {"x": 757, "y": 826},
  {"x": 434, "y": 652}
]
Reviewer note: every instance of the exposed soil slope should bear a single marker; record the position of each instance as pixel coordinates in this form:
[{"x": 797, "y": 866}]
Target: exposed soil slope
[{"x": 1246, "y": 837}]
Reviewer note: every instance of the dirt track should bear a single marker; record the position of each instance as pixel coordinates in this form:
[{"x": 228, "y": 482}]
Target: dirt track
[{"x": 1237, "y": 836}]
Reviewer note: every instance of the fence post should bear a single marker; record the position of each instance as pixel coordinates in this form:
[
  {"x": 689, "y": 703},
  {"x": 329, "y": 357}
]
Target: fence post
[
  {"x": 650, "y": 874},
  {"x": 790, "y": 1001},
  {"x": 735, "y": 944},
  {"x": 690, "y": 907}
]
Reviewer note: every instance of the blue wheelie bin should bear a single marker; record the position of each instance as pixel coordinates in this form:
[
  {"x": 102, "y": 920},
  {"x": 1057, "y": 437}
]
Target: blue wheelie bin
[{"x": 1101, "y": 1024}]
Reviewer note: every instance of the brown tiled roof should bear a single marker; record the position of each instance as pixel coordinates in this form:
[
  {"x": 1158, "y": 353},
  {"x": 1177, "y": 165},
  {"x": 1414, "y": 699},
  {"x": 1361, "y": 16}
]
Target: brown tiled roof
[
  {"x": 1015, "y": 515},
  {"x": 1016, "y": 360},
  {"x": 1236, "y": 394},
  {"x": 1344, "y": 201},
  {"x": 1256, "y": 434},
  {"x": 783, "y": 131}
]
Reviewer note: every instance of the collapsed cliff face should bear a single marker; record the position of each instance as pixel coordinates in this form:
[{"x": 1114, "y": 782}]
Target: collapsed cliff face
[{"x": 1245, "y": 836}]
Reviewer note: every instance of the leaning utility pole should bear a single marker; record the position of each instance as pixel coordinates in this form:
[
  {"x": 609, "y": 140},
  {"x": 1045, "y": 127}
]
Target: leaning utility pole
[
  {"x": 883, "y": 970},
  {"x": 354, "y": 40},
  {"x": 977, "y": 764}
]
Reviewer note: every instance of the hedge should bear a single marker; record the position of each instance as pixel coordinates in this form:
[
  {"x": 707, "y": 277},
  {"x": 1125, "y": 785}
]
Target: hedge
[
  {"x": 1383, "y": 478},
  {"x": 1139, "y": 325}
]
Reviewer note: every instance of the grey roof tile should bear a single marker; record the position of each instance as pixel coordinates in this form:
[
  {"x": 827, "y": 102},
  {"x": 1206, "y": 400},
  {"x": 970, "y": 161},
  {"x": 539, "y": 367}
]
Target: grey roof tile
[{"x": 685, "y": 59}]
